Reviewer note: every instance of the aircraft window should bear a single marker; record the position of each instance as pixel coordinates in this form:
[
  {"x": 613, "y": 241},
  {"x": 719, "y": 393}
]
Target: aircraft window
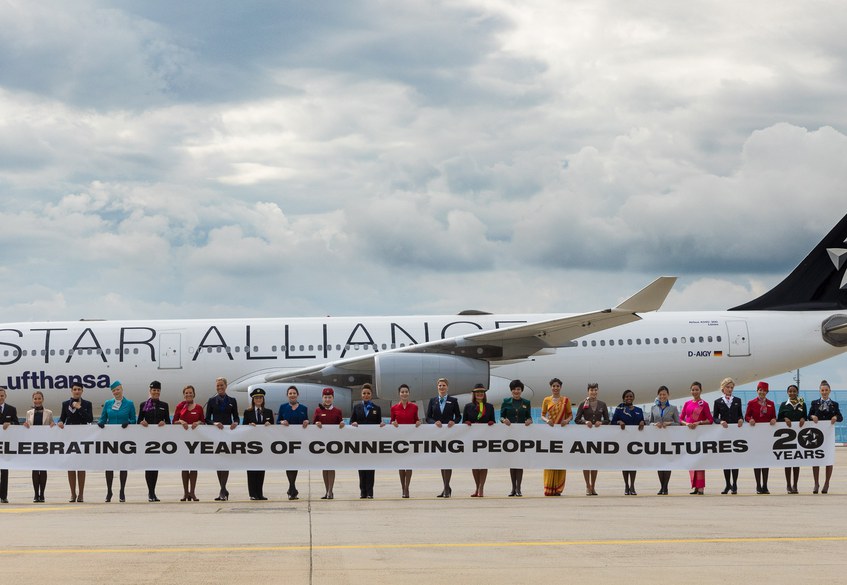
[
  {"x": 384, "y": 346},
  {"x": 208, "y": 350},
  {"x": 611, "y": 342},
  {"x": 710, "y": 339},
  {"x": 603, "y": 342},
  {"x": 43, "y": 352},
  {"x": 302, "y": 348},
  {"x": 691, "y": 339},
  {"x": 620, "y": 341},
  {"x": 346, "y": 348},
  {"x": 356, "y": 346},
  {"x": 393, "y": 346},
  {"x": 629, "y": 342},
  {"x": 647, "y": 341},
  {"x": 89, "y": 352},
  {"x": 673, "y": 339},
  {"x": 311, "y": 348},
  {"x": 682, "y": 340},
  {"x": 656, "y": 340},
  {"x": 273, "y": 349},
  {"x": 6, "y": 353},
  {"x": 219, "y": 348},
  {"x": 237, "y": 348},
  {"x": 584, "y": 344},
  {"x": 638, "y": 341},
  {"x": 135, "y": 350},
  {"x": 593, "y": 343},
  {"x": 256, "y": 348},
  {"x": 665, "y": 340},
  {"x": 701, "y": 339},
  {"x": 718, "y": 338},
  {"x": 402, "y": 345},
  {"x": 108, "y": 351}
]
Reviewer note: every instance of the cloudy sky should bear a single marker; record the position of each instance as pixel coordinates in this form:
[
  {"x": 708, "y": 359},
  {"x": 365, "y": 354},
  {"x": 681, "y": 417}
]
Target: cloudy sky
[{"x": 227, "y": 159}]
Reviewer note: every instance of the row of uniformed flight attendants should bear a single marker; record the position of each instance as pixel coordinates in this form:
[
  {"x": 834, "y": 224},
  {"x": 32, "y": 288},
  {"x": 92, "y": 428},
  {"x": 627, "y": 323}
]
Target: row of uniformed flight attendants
[{"x": 442, "y": 410}]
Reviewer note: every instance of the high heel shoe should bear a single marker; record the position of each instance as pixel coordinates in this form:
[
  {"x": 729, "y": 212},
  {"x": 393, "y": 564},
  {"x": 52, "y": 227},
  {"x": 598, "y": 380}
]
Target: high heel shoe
[
  {"x": 825, "y": 489},
  {"x": 815, "y": 490},
  {"x": 184, "y": 498},
  {"x": 108, "y": 496},
  {"x": 518, "y": 493},
  {"x": 72, "y": 500},
  {"x": 512, "y": 494},
  {"x": 726, "y": 490},
  {"x": 192, "y": 497}
]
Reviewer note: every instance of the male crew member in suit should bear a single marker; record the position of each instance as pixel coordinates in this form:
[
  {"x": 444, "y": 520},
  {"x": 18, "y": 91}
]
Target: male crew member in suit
[
  {"x": 76, "y": 411},
  {"x": 293, "y": 413},
  {"x": 153, "y": 412},
  {"x": 443, "y": 410},
  {"x": 221, "y": 410},
  {"x": 729, "y": 411},
  {"x": 366, "y": 413},
  {"x": 8, "y": 416},
  {"x": 257, "y": 415}
]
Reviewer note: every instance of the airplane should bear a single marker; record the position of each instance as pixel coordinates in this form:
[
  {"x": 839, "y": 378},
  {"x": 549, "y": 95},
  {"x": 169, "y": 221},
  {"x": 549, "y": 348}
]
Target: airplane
[{"x": 801, "y": 321}]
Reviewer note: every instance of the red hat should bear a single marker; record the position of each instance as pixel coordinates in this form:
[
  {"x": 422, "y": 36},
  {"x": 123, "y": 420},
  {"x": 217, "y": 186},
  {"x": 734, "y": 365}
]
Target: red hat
[
  {"x": 762, "y": 386},
  {"x": 328, "y": 392}
]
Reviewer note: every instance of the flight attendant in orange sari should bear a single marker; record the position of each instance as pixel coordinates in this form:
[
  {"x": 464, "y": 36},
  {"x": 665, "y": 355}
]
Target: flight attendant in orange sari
[{"x": 555, "y": 410}]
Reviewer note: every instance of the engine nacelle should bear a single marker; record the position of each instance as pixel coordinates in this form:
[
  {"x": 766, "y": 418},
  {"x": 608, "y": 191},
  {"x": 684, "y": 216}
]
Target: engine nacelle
[
  {"x": 420, "y": 371},
  {"x": 310, "y": 394}
]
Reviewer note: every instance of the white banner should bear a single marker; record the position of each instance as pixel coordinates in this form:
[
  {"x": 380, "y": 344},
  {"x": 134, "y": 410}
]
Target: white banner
[{"x": 407, "y": 447}]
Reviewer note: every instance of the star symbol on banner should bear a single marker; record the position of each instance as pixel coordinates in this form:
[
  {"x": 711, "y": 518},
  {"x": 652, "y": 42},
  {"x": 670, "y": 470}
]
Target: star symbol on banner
[{"x": 839, "y": 258}]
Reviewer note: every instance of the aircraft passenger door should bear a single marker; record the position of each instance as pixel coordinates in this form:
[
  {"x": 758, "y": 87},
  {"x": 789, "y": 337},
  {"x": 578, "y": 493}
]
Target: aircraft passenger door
[
  {"x": 170, "y": 356},
  {"x": 739, "y": 338}
]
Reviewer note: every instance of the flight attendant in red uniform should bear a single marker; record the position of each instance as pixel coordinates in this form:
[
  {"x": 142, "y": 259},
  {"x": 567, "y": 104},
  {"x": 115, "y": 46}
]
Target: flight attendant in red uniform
[
  {"x": 327, "y": 414},
  {"x": 761, "y": 410},
  {"x": 405, "y": 413}
]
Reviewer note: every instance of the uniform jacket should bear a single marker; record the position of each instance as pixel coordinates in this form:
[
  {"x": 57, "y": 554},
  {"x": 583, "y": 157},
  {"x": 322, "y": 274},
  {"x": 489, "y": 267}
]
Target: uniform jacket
[
  {"x": 374, "y": 417},
  {"x": 226, "y": 414},
  {"x": 731, "y": 414},
  {"x": 250, "y": 416},
  {"x": 159, "y": 413},
  {"x": 451, "y": 411},
  {"x": 84, "y": 415},
  {"x": 46, "y": 418}
]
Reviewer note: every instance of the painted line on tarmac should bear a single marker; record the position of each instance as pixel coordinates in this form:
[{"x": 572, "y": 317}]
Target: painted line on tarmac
[
  {"x": 36, "y": 509},
  {"x": 548, "y": 543}
]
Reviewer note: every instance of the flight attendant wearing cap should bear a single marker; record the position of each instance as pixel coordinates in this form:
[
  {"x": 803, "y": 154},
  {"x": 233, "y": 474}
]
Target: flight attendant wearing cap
[
  {"x": 762, "y": 410},
  {"x": 327, "y": 414},
  {"x": 258, "y": 415},
  {"x": 479, "y": 411},
  {"x": 117, "y": 411},
  {"x": 153, "y": 412}
]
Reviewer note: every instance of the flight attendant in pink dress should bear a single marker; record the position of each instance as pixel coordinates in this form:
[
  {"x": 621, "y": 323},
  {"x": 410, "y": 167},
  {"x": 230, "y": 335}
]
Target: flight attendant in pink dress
[{"x": 694, "y": 413}]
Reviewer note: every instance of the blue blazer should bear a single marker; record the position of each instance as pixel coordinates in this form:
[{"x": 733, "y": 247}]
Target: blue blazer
[{"x": 125, "y": 414}]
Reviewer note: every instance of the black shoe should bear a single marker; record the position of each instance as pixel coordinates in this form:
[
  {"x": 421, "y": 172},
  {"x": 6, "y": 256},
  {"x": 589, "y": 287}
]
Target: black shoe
[
  {"x": 261, "y": 498},
  {"x": 152, "y": 498},
  {"x": 695, "y": 492},
  {"x": 108, "y": 496},
  {"x": 726, "y": 490},
  {"x": 632, "y": 492},
  {"x": 512, "y": 494},
  {"x": 4, "y": 501},
  {"x": 442, "y": 494},
  {"x": 765, "y": 491},
  {"x": 626, "y": 492},
  {"x": 518, "y": 493},
  {"x": 122, "y": 498},
  {"x": 292, "y": 497}
]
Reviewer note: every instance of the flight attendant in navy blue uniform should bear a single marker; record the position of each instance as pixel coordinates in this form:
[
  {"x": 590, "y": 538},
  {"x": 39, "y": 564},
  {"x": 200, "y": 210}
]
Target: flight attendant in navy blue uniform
[
  {"x": 728, "y": 410},
  {"x": 258, "y": 415},
  {"x": 366, "y": 413},
  {"x": 153, "y": 412},
  {"x": 443, "y": 410},
  {"x": 221, "y": 411},
  {"x": 823, "y": 409},
  {"x": 8, "y": 416},
  {"x": 76, "y": 411}
]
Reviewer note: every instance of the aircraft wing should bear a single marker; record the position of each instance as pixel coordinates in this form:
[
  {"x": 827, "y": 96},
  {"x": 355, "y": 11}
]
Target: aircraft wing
[{"x": 508, "y": 343}]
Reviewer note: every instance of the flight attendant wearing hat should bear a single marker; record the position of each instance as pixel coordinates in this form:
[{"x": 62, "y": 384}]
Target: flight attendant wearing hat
[
  {"x": 327, "y": 414},
  {"x": 479, "y": 411},
  {"x": 258, "y": 415},
  {"x": 762, "y": 410}
]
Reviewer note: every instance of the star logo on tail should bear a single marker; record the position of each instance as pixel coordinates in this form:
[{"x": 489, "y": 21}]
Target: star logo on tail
[{"x": 839, "y": 259}]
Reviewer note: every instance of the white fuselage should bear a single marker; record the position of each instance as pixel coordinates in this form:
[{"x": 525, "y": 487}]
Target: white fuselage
[{"x": 671, "y": 349}]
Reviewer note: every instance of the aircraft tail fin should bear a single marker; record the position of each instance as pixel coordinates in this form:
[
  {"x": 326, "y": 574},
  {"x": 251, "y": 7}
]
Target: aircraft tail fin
[{"x": 818, "y": 283}]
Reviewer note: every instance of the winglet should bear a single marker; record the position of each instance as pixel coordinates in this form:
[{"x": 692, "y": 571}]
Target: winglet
[{"x": 649, "y": 298}]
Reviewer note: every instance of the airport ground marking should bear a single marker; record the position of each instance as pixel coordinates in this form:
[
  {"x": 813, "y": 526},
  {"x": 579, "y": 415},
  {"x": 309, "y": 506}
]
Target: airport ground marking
[{"x": 434, "y": 545}]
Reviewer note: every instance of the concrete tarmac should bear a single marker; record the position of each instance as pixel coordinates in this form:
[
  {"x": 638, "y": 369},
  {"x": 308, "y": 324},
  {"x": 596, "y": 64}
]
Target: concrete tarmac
[{"x": 747, "y": 538}]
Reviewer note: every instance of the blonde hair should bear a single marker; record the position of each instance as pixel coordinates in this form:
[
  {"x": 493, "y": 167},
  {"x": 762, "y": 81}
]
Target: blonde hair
[{"x": 726, "y": 382}]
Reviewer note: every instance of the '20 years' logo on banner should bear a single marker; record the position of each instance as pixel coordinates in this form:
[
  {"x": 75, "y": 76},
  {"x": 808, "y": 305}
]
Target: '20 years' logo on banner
[{"x": 805, "y": 444}]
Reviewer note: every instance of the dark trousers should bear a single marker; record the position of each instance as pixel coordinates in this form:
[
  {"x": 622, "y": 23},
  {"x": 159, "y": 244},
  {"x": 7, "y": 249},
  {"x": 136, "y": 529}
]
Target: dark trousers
[
  {"x": 151, "y": 477},
  {"x": 4, "y": 484},
  {"x": 255, "y": 483},
  {"x": 366, "y": 483}
]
